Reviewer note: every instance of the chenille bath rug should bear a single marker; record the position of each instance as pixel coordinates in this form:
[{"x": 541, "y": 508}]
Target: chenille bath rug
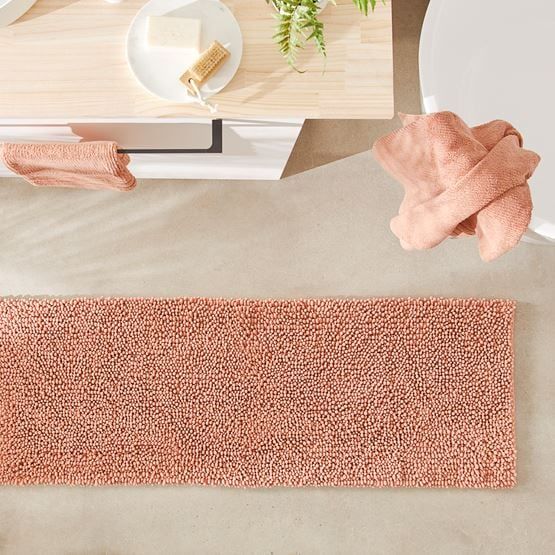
[{"x": 249, "y": 393}]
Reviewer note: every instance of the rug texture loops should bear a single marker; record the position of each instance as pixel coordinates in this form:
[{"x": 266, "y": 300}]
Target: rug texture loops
[{"x": 378, "y": 392}]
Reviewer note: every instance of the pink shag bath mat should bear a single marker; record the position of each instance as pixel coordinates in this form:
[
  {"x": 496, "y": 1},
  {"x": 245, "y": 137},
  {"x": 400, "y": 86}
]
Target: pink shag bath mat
[{"x": 379, "y": 392}]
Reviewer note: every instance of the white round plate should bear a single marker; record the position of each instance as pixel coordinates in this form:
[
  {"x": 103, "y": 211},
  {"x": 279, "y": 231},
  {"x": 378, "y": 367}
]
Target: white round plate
[
  {"x": 10, "y": 10},
  {"x": 158, "y": 69},
  {"x": 489, "y": 60}
]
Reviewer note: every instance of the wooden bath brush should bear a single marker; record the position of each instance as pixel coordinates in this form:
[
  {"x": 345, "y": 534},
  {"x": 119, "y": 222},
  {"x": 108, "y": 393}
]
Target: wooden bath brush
[{"x": 206, "y": 65}]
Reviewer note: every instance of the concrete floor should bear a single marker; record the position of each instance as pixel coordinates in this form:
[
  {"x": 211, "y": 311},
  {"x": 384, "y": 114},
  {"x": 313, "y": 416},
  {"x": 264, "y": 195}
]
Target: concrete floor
[{"x": 323, "y": 232}]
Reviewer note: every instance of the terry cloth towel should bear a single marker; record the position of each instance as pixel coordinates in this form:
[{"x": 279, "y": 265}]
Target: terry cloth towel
[
  {"x": 87, "y": 165},
  {"x": 459, "y": 181},
  {"x": 257, "y": 393}
]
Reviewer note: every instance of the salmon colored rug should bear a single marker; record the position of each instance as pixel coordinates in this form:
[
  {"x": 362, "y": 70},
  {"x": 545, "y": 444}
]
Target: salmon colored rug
[{"x": 379, "y": 392}]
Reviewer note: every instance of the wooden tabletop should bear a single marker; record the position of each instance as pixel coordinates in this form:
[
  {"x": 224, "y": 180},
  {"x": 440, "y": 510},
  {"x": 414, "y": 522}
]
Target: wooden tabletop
[{"x": 66, "y": 58}]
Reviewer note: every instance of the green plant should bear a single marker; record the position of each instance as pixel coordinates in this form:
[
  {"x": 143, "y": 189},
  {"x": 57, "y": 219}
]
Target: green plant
[
  {"x": 298, "y": 24},
  {"x": 363, "y": 5}
]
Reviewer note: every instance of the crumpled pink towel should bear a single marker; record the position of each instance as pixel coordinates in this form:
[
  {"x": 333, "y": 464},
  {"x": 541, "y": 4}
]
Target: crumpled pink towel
[
  {"x": 87, "y": 165},
  {"x": 459, "y": 180}
]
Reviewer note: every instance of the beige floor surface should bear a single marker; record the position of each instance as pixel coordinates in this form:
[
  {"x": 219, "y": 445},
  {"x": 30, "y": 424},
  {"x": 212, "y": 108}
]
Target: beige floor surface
[{"x": 323, "y": 232}]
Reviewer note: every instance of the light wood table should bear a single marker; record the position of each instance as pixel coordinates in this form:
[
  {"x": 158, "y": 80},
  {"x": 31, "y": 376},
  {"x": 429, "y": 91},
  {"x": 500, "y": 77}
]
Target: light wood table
[{"x": 66, "y": 58}]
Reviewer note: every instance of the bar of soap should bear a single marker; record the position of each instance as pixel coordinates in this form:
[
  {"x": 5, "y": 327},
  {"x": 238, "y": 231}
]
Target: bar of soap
[{"x": 174, "y": 32}]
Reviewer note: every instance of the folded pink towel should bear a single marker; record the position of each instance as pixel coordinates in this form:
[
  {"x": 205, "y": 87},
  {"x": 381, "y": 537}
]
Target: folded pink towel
[
  {"x": 88, "y": 165},
  {"x": 459, "y": 180}
]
